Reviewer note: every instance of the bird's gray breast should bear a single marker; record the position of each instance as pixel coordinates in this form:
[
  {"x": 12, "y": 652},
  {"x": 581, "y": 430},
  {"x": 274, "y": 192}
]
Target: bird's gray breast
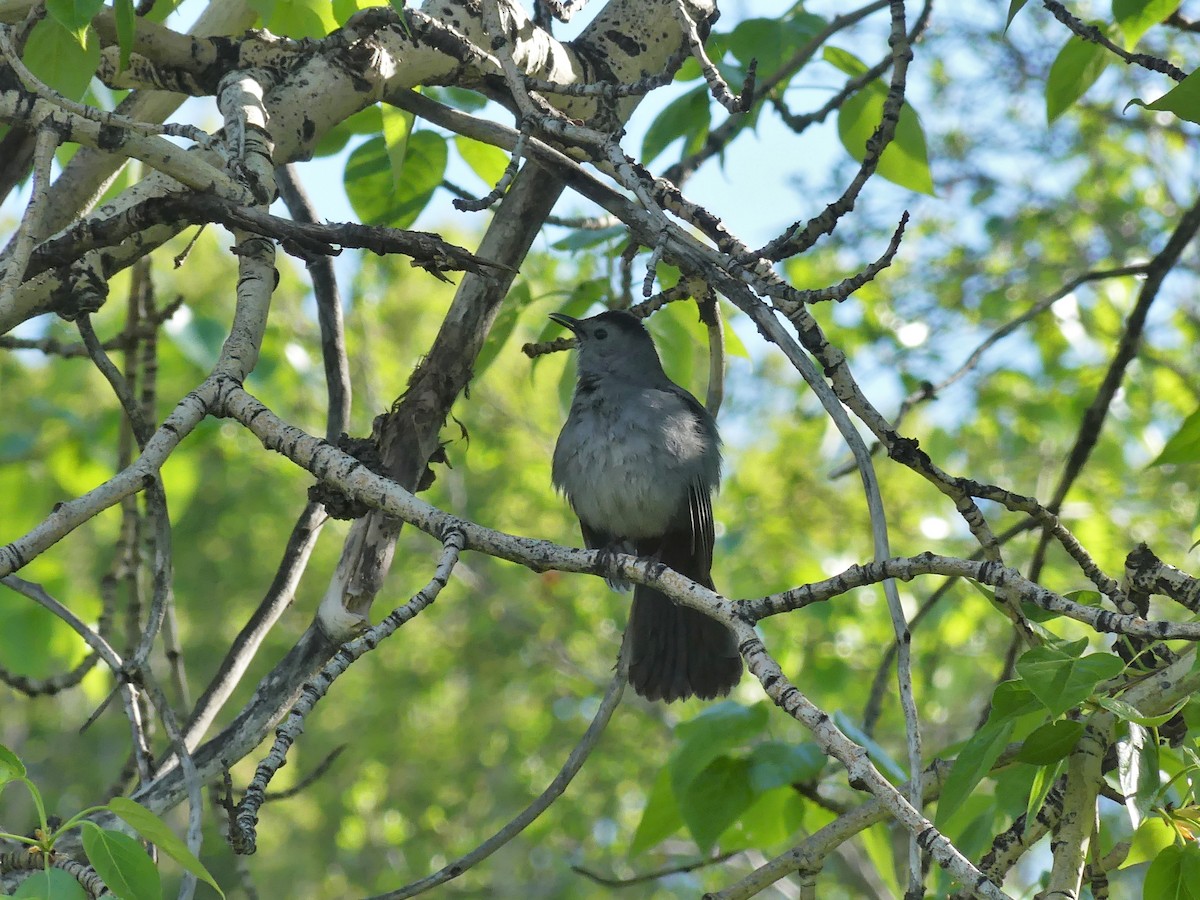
[{"x": 625, "y": 459}]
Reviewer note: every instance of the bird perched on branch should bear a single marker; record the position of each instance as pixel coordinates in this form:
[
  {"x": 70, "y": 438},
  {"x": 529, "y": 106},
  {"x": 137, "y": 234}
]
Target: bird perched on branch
[{"x": 638, "y": 459}]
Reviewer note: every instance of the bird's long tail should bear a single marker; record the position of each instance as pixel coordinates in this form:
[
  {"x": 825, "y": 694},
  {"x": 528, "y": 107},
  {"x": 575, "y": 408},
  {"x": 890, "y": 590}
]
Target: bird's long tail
[{"x": 675, "y": 651}]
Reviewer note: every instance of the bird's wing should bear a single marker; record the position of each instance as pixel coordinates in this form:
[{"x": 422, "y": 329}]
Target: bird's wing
[{"x": 703, "y": 532}]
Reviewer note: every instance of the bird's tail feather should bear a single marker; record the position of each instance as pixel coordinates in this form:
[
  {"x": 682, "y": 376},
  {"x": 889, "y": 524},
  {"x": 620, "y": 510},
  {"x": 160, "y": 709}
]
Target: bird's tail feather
[{"x": 677, "y": 652}]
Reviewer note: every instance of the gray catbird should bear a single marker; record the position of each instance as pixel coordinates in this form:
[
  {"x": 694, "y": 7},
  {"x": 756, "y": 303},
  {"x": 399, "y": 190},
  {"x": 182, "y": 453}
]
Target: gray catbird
[{"x": 639, "y": 458}]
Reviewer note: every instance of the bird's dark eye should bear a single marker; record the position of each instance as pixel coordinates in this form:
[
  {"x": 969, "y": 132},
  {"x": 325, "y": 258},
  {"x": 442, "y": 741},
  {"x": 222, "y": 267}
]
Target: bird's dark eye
[{"x": 600, "y": 334}]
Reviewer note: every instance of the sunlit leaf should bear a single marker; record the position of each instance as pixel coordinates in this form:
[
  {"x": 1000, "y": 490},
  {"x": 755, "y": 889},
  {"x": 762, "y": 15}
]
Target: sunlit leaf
[
  {"x": 122, "y": 863},
  {"x": 58, "y": 58},
  {"x": 1136, "y": 17},
  {"x": 905, "y": 161},
  {"x": 157, "y": 832},
  {"x": 1073, "y": 71},
  {"x": 1184, "y": 445},
  {"x": 369, "y": 179},
  {"x": 1061, "y": 679}
]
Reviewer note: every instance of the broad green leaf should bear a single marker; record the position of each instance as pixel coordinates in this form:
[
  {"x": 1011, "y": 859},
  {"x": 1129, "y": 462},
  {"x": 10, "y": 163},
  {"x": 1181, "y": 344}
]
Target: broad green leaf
[
  {"x": 1012, "y": 699},
  {"x": 486, "y": 161},
  {"x": 365, "y": 121},
  {"x": 1130, "y": 713},
  {"x": 702, "y": 739},
  {"x": 73, "y": 15},
  {"x": 56, "y": 56},
  {"x": 1174, "y": 874},
  {"x": 1152, "y": 837},
  {"x": 1184, "y": 446},
  {"x": 296, "y": 18},
  {"x": 11, "y": 766},
  {"x": 715, "y": 798},
  {"x": 459, "y": 98},
  {"x": 1051, "y": 742},
  {"x": 368, "y": 179},
  {"x": 50, "y": 884},
  {"x": 777, "y": 763},
  {"x": 1073, "y": 71},
  {"x": 1061, "y": 680},
  {"x": 686, "y": 116},
  {"x": 905, "y": 161},
  {"x": 772, "y": 819},
  {"x": 845, "y": 61},
  {"x": 126, "y": 29},
  {"x": 1136, "y": 17},
  {"x": 397, "y": 126},
  {"x": 157, "y": 832},
  {"x": 771, "y": 41},
  {"x": 344, "y": 9},
  {"x": 122, "y": 863},
  {"x": 973, "y": 762},
  {"x": 1183, "y": 100},
  {"x": 660, "y": 818}
]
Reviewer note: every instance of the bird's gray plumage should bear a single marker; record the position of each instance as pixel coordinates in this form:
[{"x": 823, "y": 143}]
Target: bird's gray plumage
[{"x": 638, "y": 459}]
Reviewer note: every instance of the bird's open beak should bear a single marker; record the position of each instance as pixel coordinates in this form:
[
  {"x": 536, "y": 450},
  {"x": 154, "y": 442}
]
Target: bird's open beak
[{"x": 568, "y": 322}]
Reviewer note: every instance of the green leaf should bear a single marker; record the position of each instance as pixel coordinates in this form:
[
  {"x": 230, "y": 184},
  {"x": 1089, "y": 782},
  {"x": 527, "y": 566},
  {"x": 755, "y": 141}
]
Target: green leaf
[
  {"x": 771, "y": 41},
  {"x": 122, "y": 863},
  {"x": 701, "y": 740},
  {"x": 686, "y": 116},
  {"x": 1184, "y": 446},
  {"x": 11, "y": 767},
  {"x": 777, "y": 763},
  {"x": 1183, "y": 100},
  {"x": 1014, "y": 7},
  {"x": 296, "y": 18},
  {"x": 586, "y": 238},
  {"x": 769, "y": 821},
  {"x": 74, "y": 15},
  {"x": 1043, "y": 781},
  {"x": 1060, "y": 679},
  {"x": 397, "y": 126},
  {"x": 159, "y": 833},
  {"x": 660, "y": 818},
  {"x": 365, "y": 121},
  {"x": 1174, "y": 874},
  {"x": 59, "y": 58},
  {"x": 1051, "y": 742},
  {"x": 459, "y": 98},
  {"x": 515, "y": 304},
  {"x": 973, "y": 762},
  {"x": 1013, "y": 704},
  {"x": 1152, "y": 837},
  {"x": 486, "y": 161},
  {"x": 368, "y": 179},
  {"x": 905, "y": 161},
  {"x": 1130, "y": 713},
  {"x": 1073, "y": 71},
  {"x": 1137, "y": 772},
  {"x": 1136, "y": 17},
  {"x": 126, "y": 29},
  {"x": 715, "y": 798},
  {"x": 50, "y": 884}
]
